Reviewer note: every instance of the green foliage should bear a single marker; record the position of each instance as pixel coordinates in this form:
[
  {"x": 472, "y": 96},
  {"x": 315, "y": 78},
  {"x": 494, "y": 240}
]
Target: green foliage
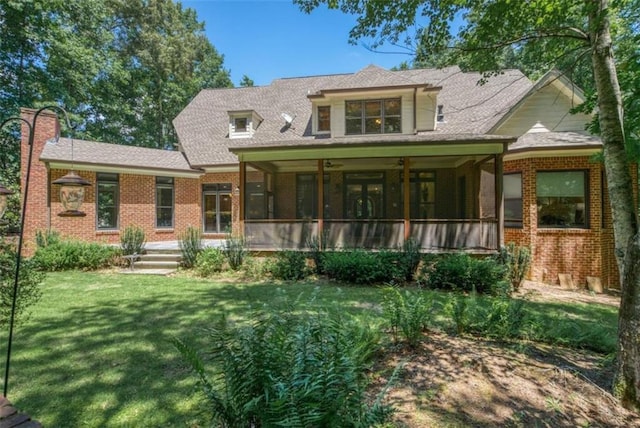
[
  {"x": 358, "y": 266},
  {"x": 290, "y": 266},
  {"x": 408, "y": 314},
  {"x": 517, "y": 261},
  {"x": 209, "y": 261},
  {"x": 235, "y": 251},
  {"x": 317, "y": 249},
  {"x": 286, "y": 370},
  {"x": 47, "y": 237},
  {"x": 71, "y": 255},
  {"x": 411, "y": 258},
  {"x": 132, "y": 240},
  {"x": 190, "y": 242},
  {"x": 461, "y": 272},
  {"x": 29, "y": 282}
]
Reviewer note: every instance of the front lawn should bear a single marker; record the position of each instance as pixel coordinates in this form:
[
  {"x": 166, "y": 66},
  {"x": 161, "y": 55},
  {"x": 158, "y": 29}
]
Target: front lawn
[{"x": 97, "y": 350}]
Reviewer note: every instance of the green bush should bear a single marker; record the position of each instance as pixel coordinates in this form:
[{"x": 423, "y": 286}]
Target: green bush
[
  {"x": 209, "y": 261},
  {"x": 29, "y": 283},
  {"x": 410, "y": 258},
  {"x": 408, "y": 314},
  {"x": 235, "y": 251},
  {"x": 461, "y": 272},
  {"x": 317, "y": 250},
  {"x": 286, "y": 370},
  {"x": 517, "y": 261},
  {"x": 190, "y": 242},
  {"x": 364, "y": 267},
  {"x": 71, "y": 255},
  {"x": 48, "y": 237},
  {"x": 132, "y": 240},
  {"x": 290, "y": 265}
]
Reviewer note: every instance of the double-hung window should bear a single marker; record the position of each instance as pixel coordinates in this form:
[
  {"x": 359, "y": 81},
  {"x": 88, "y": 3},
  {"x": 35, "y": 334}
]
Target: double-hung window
[
  {"x": 373, "y": 116},
  {"x": 562, "y": 198},
  {"x": 513, "y": 200},
  {"x": 107, "y": 195},
  {"x": 164, "y": 202}
]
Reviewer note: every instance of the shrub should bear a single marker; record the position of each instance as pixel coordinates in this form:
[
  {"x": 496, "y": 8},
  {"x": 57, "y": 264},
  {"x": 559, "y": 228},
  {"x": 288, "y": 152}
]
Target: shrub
[
  {"x": 235, "y": 251},
  {"x": 410, "y": 259},
  {"x": 317, "y": 250},
  {"x": 364, "y": 267},
  {"x": 132, "y": 240},
  {"x": 517, "y": 261},
  {"x": 190, "y": 242},
  {"x": 48, "y": 237},
  {"x": 29, "y": 283},
  {"x": 209, "y": 261},
  {"x": 461, "y": 272},
  {"x": 408, "y": 314},
  {"x": 290, "y": 265},
  {"x": 69, "y": 255},
  {"x": 286, "y": 370}
]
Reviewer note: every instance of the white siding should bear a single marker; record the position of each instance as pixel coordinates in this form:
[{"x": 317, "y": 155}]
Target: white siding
[
  {"x": 550, "y": 108},
  {"x": 426, "y": 111}
]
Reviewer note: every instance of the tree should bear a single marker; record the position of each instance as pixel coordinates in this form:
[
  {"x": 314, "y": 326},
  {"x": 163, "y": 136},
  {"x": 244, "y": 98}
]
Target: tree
[
  {"x": 557, "y": 29},
  {"x": 246, "y": 81},
  {"x": 123, "y": 68}
]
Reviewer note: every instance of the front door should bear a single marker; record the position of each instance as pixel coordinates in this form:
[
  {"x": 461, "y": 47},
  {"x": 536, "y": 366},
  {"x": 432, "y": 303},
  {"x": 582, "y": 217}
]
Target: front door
[{"x": 364, "y": 196}]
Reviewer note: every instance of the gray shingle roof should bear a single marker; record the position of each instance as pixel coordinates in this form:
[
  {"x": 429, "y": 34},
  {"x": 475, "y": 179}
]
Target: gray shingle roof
[
  {"x": 469, "y": 108},
  {"x": 114, "y": 155},
  {"x": 555, "y": 140}
]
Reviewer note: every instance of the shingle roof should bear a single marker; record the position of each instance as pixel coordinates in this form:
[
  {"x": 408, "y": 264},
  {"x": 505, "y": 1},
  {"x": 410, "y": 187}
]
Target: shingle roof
[
  {"x": 469, "y": 108},
  {"x": 114, "y": 155},
  {"x": 555, "y": 140}
]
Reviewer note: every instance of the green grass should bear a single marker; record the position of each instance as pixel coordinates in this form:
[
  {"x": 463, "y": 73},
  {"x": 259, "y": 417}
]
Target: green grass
[{"x": 97, "y": 351}]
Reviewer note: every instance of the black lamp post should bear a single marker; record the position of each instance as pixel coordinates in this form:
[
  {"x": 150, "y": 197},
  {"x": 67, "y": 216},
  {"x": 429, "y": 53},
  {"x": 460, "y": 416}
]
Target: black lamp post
[{"x": 31, "y": 125}]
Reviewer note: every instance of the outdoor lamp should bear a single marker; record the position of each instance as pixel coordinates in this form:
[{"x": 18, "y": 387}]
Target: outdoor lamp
[
  {"x": 4, "y": 194},
  {"x": 72, "y": 194}
]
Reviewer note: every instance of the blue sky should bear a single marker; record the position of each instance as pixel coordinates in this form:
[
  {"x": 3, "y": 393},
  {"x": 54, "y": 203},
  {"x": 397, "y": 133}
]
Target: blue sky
[{"x": 268, "y": 39}]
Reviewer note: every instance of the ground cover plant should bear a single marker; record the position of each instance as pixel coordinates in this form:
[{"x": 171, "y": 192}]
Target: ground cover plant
[
  {"x": 98, "y": 349},
  {"x": 55, "y": 254}
]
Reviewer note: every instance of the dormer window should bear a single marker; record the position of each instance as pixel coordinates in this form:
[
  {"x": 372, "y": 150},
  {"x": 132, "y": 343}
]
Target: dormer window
[
  {"x": 324, "y": 118},
  {"x": 440, "y": 115},
  {"x": 240, "y": 124},
  {"x": 373, "y": 116},
  {"x": 243, "y": 124}
]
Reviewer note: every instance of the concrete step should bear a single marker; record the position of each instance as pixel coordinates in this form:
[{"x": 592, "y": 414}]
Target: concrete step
[
  {"x": 160, "y": 257},
  {"x": 145, "y": 264}
]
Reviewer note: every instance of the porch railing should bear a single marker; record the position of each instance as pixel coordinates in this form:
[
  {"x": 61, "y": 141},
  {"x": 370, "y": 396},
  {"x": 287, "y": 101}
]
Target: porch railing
[{"x": 433, "y": 235}]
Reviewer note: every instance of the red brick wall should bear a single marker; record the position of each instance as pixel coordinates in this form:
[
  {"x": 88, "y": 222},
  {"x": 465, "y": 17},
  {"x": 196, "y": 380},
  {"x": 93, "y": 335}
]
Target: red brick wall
[{"x": 579, "y": 252}]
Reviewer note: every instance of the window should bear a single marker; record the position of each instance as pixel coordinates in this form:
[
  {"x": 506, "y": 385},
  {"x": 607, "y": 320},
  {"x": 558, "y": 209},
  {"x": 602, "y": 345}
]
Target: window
[
  {"x": 373, "y": 116},
  {"x": 422, "y": 188},
  {"x": 107, "y": 201},
  {"x": 561, "y": 198},
  {"x": 364, "y": 195},
  {"x": 324, "y": 118},
  {"x": 307, "y": 195},
  {"x": 164, "y": 202},
  {"x": 513, "y": 200},
  {"x": 216, "y": 207},
  {"x": 240, "y": 124},
  {"x": 440, "y": 115}
]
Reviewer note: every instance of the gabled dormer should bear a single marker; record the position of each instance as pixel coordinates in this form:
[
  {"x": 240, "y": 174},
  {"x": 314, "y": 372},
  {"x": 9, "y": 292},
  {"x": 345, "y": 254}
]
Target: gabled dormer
[
  {"x": 243, "y": 123},
  {"x": 373, "y": 101}
]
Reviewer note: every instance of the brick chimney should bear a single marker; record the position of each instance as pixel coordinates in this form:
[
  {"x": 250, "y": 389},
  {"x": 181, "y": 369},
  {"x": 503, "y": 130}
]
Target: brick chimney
[{"x": 38, "y": 213}]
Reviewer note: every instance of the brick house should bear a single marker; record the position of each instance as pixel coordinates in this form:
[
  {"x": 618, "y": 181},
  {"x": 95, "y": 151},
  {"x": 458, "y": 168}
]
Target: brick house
[{"x": 368, "y": 159}]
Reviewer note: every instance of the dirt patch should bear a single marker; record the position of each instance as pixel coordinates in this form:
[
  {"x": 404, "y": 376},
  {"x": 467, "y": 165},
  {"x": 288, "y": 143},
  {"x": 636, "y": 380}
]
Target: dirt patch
[
  {"x": 452, "y": 381},
  {"x": 544, "y": 292}
]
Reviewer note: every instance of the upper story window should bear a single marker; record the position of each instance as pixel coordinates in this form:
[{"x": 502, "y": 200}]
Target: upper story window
[
  {"x": 324, "y": 118},
  {"x": 373, "y": 116},
  {"x": 243, "y": 124},
  {"x": 440, "y": 115},
  {"x": 561, "y": 197}
]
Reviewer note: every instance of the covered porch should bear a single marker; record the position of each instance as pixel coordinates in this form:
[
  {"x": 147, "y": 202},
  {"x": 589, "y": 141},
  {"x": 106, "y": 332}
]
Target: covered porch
[{"x": 446, "y": 195}]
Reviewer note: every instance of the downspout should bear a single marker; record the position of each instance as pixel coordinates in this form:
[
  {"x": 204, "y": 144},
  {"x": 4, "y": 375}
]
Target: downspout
[
  {"x": 46, "y": 165},
  {"x": 415, "y": 114},
  {"x": 499, "y": 197}
]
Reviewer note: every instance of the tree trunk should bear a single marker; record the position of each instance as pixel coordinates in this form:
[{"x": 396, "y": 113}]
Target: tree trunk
[{"x": 625, "y": 224}]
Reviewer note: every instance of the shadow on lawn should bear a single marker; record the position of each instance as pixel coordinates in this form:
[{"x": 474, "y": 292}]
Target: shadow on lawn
[{"x": 109, "y": 361}]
